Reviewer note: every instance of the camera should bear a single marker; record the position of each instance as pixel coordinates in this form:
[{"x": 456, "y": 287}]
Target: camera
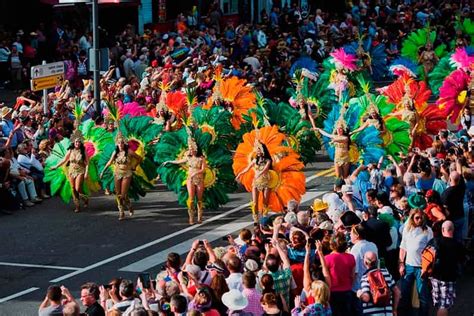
[{"x": 200, "y": 243}]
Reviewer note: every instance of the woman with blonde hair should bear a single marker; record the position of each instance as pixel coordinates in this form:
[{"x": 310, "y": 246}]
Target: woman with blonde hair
[
  {"x": 320, "y": 293},
  {"x": 416, "y": 235}
]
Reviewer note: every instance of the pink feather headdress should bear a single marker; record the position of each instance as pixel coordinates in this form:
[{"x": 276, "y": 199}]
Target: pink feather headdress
[{"x": 344, "y": 60}]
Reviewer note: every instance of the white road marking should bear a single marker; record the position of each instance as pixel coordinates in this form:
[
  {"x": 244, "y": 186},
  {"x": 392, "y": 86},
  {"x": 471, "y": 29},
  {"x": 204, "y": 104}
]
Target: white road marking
[
  {"x": 40, "y": 266},
  {"x": 156, "y": 241},
  {"x": 181, "y": 248},
  {"x": 31, "y": 289}
]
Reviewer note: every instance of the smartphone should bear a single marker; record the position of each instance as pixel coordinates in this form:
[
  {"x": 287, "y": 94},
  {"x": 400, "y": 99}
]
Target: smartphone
[
  {"x": 145, "y": 279},
  {"x": 200, "y": 243},
  {"x": 107, "y": 286}
]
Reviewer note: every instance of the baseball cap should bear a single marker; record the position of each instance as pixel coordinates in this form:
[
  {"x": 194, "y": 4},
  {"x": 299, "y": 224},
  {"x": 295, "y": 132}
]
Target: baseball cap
[{"x": 24, "y": 108}]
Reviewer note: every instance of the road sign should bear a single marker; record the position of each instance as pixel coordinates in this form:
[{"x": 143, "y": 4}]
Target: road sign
[
  {"x": 104, "y": 62},
  {"x": 38, "y": 84},
  {"x": 47, "y": 70}
]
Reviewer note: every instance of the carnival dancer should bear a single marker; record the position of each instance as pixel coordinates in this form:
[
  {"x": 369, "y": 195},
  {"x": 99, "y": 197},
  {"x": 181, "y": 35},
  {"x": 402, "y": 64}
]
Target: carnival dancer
[
  {"x": 428, "y": 59},
  {"x": 196, "y": 164},
  {"x": 408, "y": 113},
  {"x": 78, "y": 165},
  {"x": 261, "y": 181},
  {"x": 266, "y": 166},
  {"x": 123, "y": 173},
  {"x": 341, "y": 140}
]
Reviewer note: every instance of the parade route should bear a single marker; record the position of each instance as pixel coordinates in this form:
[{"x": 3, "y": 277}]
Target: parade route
[{"x": 93, "y": 245}]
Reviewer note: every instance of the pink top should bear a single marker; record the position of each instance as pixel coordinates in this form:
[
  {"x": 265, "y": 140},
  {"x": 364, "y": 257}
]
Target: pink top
[
  {"x": 254, "y": 306},
  {"x": 341, "y": 268}
]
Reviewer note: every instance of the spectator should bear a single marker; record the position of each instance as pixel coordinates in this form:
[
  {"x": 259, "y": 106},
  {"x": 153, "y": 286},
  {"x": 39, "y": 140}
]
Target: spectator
[
  {"x": 364, "y": 293},
  {"x": 320, "y": 292},
  {"x": 178, "y": 305},
  {"x": 341, "y": 266},
  {"x": 415, "y": 237},
  {"x": 51, "y": 305},
  {"x": 89, "y": 297},
  {"x": 236, "y": 302},
  {"x": 126, "y": 291},
  {"x": 360, "y": 248},
  {"x": 251, "y": 294},
  {"x": 450, "y": 254},
  {"x": 452, "y": 200}
]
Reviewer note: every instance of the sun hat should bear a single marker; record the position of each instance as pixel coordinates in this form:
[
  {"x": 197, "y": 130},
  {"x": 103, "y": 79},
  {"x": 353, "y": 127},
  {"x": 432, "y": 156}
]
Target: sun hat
[
  {"x": 234, "y": 300},
  {"x": 319, "y": 205},
  {"x": 416, "y": 201},
  {"x": 4, "y": 112}
]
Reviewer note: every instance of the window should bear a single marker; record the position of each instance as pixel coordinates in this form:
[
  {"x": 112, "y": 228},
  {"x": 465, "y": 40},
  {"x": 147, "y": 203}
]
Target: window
[{"x": 230, "y": 6}]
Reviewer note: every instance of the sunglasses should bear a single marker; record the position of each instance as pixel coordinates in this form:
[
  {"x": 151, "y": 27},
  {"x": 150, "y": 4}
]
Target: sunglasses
[{"x": 416, "y": 218}]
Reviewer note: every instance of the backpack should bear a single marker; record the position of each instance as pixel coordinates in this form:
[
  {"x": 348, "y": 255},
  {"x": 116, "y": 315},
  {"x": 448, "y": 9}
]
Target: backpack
[
  {"x": 379, "y": 289},
  {"x": 428, "y": 258}
]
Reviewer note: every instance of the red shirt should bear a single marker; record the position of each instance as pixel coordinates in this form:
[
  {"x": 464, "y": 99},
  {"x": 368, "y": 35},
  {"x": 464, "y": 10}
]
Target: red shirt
[{"x": 341, "y": 268}]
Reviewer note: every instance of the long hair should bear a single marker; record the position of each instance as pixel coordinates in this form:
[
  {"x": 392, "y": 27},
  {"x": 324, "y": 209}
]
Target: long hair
[
  {"x": 410, "y": 224},
  {"x": 125, "y": 148},
  {"x": 266, "y": 155},
  {"x": 82, "y": 149},
  {"x": 379, "y": 119},
  {"x": 320, "y": 292}
]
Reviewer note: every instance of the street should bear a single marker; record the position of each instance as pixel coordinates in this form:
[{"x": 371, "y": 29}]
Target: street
[{"x": 50, "y": 244}]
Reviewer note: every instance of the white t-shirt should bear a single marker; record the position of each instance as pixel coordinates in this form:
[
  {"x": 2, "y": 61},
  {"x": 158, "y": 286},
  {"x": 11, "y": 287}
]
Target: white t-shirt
[
  {"x": 234, "y": 281},
  {"x": 358, "y": 251},
  {"x": 413, "y": 242}
]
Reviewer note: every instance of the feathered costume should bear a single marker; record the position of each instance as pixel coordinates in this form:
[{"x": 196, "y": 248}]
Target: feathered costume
[
  {"x": 418, "y": 39},
  {"x": 403, "y": 66},
  {"x": 430, "y": 119},
  {"x": 287, "y": 181},
  {"x": 58, "y": 178},
  {"x": 394, "y": 132},
  {"x": 304, "y": 62},
  {"x": 462, "y": 58},
  {"x": 452, "y": 94},
  {"x": 335, "y": 75},
  {"x": 216, "y": 122},
  {"x": 412, "y": 47},
  {"x": 365, "y": 145},
  {"x": 140, "y": 133},
  {"x": 299, "y": 133},
  {"x": 95, "y": 140},
  {"x": 218, "y": 177},
  {"x": 235, "y": 96},
  {"x": 466, "y": 27},
  {"x": 370, "y": 56}
]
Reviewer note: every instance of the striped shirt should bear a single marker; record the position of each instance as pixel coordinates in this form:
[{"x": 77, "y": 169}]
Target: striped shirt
[{"x": 369, "y": 308}]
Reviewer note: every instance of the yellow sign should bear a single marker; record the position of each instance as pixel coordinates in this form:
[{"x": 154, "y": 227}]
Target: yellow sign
[{"x": 38, "y": 84}]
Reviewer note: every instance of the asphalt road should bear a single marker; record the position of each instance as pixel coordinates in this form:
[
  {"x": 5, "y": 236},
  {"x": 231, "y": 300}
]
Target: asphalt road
[{"x": 50, "y": 244}]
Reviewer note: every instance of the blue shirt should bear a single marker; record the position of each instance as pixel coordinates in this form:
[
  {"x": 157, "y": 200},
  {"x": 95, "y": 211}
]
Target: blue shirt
[{"x": 7, "y": 129}]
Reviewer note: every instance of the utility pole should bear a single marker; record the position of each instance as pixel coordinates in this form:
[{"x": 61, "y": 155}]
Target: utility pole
[{"x": 96, "y": 55}]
